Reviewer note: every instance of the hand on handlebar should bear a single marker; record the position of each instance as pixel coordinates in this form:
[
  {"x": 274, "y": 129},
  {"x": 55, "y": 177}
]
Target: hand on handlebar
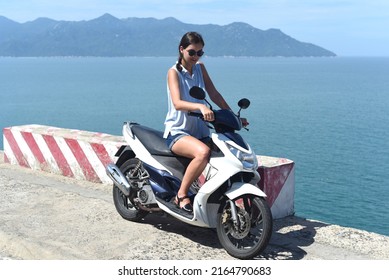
[
  {"x": 208, "y": 114},
  {"x": 244, "y": 122}
]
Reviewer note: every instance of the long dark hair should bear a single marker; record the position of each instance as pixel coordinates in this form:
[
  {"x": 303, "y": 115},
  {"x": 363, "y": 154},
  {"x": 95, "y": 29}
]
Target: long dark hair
[{"x": 186, "y": 40}]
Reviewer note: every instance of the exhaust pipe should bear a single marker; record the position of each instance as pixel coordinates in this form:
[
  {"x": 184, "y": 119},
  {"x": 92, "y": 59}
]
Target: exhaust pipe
[{"x": 118, "y": 178}]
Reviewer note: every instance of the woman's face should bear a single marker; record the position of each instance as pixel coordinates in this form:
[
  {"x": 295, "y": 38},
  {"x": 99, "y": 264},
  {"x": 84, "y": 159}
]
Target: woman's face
[{"x": 192, "y": 53}]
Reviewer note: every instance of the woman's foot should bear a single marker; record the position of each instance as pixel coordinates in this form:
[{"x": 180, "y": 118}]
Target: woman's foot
[{"x": 184, "y": 203}]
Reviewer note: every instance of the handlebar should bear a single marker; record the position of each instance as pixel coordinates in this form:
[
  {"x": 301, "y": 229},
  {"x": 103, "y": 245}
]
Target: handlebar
[
  {"x": 225, "y": 120},
  {"x": 195, "y": 114}
]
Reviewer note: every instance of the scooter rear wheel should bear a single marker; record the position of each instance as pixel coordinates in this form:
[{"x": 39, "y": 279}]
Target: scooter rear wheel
[
  {"x": 248, "y": 237},
  {"x": 125, "y": 205}
]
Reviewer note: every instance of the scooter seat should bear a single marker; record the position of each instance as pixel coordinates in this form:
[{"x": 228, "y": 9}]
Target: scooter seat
[{"x": 152, "y": 140}]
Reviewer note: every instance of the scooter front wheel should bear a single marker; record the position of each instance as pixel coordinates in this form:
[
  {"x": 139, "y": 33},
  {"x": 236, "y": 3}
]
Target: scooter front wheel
[
  {"x": 125, "y": 205},
  {"x": 249, "y": 235}
]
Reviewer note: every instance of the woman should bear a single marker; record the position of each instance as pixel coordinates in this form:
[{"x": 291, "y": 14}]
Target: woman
[{"x": 186, "y": 135}]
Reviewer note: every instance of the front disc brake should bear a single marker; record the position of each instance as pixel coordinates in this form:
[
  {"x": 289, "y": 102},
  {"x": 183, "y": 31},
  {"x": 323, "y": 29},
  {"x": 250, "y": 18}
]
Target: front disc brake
[{"x": 240, "y": 231}]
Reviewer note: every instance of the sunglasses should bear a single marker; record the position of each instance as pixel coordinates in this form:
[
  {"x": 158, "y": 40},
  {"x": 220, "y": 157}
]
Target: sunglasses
[{"x": 193, "y": 52}]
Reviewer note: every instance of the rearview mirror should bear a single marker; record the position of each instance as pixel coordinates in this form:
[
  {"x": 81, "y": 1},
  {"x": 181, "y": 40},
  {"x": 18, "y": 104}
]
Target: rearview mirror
[
  {"x": 244, "y": 103},
  {"x": 197, "y": 92}
]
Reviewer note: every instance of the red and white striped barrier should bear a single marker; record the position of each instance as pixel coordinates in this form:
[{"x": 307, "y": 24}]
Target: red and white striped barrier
[
  {"x": 84, "y": 155},
  {"x": 72, "y": 153},
  {"x": 277, "y": 181}
]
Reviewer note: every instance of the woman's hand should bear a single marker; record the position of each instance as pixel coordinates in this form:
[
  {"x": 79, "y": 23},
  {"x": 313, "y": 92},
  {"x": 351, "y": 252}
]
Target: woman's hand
[
  {"x": 207, "y": 113},
  {"x": 244, "y": 122}
]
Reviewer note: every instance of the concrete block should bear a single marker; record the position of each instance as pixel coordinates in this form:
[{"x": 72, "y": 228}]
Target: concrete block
[
  {"x": 69, "y": 152},
  {"x": 278, "y": 182}
]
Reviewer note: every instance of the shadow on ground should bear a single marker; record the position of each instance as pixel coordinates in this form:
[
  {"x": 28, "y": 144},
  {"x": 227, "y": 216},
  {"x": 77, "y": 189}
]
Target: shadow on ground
[{"x": 290, "y": 235}]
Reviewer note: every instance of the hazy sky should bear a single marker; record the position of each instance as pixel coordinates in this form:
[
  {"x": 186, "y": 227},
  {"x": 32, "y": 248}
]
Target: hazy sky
[{"x": 346, "y": 27}]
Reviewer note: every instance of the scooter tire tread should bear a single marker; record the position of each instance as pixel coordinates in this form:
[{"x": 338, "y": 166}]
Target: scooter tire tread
[
  {"x": 265, "y": 238},
  {"x": 134, "y": 214}
]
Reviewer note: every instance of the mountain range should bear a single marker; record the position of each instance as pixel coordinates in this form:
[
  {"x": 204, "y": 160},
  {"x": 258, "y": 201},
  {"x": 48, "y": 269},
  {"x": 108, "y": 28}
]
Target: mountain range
[{"x": 112, "y": 37}]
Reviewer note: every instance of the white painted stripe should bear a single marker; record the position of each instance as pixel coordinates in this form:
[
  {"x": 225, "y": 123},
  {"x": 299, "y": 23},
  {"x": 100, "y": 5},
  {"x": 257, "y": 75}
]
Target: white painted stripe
[
  {"x": 288, "y": 190},
  {"x": 94, "y": 161},
  {"x": 51, "y": 163},
  {"x": 28, "y": 155},
  {"x": 111, "y": 149},
  {"x": 284, "y": 204},
  {"x": 8, "y": 152},
  {"x": 70, "y": 158}
]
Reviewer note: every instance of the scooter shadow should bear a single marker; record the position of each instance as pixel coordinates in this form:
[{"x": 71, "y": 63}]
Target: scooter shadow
[
  {"x": 289, "y": 235},
  {"x": 203, "y": 236}
]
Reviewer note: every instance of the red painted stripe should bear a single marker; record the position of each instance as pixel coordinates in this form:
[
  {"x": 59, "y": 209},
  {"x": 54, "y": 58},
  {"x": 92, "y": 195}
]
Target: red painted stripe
[
  {"x": 82, "y": 160},
  {"x": 273, "y": 180},
  {"x": 101, "y": 153},
  {"x": 35, "y": 149},
  {"x": 6, "y": 160},
  {"x": 58, "y": 156},
  {"x": 15, "y": 148}
]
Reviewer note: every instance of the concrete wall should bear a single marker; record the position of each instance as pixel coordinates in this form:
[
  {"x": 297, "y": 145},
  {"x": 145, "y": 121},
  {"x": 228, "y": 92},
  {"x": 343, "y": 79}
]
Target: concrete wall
[
  {"x": 84, "y": 155},
  {"x": 72, "y": 153}
]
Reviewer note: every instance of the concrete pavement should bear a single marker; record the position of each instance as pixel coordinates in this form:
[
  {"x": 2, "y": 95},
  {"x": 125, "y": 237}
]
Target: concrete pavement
[{"x": 45, "y": 216}]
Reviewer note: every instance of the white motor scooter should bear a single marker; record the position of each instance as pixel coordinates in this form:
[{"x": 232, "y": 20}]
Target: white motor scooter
[{"x": 147, "y": 176}]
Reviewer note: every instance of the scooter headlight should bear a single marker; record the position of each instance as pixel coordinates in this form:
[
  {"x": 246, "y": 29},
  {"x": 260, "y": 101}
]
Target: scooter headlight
[{"x": 248, "y": 159}]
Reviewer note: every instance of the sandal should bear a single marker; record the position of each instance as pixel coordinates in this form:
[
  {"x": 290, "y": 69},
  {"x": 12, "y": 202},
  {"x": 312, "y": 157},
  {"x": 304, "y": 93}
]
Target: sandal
[{"x": 187, "y": 207}]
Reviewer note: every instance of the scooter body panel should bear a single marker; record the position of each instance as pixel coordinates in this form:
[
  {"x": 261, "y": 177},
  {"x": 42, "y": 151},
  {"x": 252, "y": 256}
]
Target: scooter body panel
[
  {"x": 151, "y": 184},
  {"x": 239, "y": 189}
]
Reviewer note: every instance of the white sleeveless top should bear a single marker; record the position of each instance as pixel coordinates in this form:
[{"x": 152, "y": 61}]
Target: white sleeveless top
[{"x": 179, "y": 122}]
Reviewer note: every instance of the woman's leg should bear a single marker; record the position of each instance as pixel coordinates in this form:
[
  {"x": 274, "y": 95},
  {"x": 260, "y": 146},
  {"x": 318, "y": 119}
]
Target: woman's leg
[{"x": 191, "y": 147}]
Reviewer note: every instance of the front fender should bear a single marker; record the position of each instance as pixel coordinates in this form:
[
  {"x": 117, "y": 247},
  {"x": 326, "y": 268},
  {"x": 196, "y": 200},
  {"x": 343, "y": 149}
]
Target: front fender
[{"x": 238, "y": 189}]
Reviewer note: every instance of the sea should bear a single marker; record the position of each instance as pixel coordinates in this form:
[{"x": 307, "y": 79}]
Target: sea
[{"x": 328, "y": 115}]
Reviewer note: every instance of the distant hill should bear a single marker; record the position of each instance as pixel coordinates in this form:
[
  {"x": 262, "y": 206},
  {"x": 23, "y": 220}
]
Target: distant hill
[{"x": 110, "y": 36}]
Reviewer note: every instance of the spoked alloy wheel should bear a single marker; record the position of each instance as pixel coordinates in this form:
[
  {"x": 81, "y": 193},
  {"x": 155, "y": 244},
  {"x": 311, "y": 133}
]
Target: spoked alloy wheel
[
  {"x": 248, "y": 237},
  {"x": 125, "y": 205}
]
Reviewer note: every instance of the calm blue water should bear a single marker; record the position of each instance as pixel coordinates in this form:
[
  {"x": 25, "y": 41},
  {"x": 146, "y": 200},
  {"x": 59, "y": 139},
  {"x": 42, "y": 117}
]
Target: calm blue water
[{"x": 329, "y": 115}]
